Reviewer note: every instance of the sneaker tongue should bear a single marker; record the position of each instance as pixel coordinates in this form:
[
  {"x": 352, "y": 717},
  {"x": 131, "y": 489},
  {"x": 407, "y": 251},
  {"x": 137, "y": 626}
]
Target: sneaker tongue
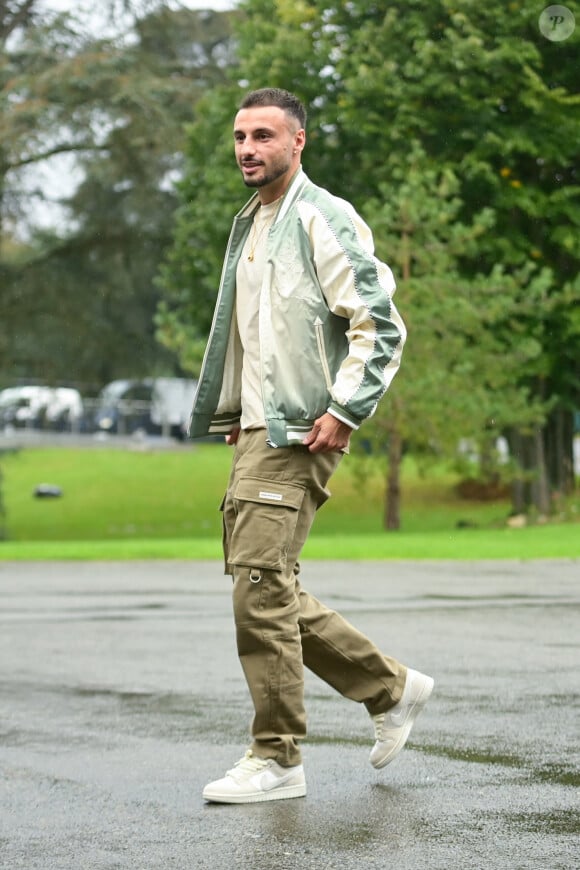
[{"x": 249, "y": 764}]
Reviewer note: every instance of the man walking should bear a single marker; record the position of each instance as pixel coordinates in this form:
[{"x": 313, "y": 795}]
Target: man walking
[{"x": 305, "y": 341}]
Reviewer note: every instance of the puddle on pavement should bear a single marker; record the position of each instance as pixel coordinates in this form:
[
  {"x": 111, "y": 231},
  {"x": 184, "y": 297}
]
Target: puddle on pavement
[
  {"x": 554, "y": 773},
  {"x": 556, "y": 822}
]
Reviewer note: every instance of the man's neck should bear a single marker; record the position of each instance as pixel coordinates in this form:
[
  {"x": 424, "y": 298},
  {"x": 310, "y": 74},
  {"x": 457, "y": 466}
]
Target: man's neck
[{"x": 278, "y": 188}]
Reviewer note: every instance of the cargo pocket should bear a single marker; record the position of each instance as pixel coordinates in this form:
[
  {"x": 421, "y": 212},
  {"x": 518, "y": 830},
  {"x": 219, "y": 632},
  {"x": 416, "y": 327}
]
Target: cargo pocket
[{"x": 267, "y": 514}]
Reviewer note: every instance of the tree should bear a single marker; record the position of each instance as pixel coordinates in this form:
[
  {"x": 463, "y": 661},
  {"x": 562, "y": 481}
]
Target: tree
[
  {"x": 486, "y": 95},
  {"x": 190, "y": 273},
  {"x": 486, "y": 100},
  {"x": 119, "y": 104},
  {"x": 456, "y": 382}
]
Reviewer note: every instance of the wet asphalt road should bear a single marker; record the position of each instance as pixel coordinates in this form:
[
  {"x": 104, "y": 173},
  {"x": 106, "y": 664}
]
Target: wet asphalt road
[{"x": 121, "y": 696}]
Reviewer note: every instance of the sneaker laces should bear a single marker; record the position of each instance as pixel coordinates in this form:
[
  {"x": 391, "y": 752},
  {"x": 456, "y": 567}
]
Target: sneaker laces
[
  {"x": 395, "y": 717},
  {"x": 248, "y": 765},
  {"x": 379, "y": 721}
]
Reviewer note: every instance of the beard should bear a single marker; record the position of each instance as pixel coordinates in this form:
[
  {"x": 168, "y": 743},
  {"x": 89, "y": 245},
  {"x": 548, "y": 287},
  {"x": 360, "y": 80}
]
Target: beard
[{"x": 278, "y": 169}]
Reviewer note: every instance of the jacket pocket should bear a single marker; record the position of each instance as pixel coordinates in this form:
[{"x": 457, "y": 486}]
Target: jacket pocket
[
  {"x": 267, "y": 514},
  {"x": 318, "y": 328}
]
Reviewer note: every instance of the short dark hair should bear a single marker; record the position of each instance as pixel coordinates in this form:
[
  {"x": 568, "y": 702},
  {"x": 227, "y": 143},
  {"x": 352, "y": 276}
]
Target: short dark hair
[{"x": 276, "y": 97}]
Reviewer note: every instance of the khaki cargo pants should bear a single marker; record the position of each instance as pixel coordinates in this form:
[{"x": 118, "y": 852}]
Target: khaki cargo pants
[{"x": 270, "y": 503}]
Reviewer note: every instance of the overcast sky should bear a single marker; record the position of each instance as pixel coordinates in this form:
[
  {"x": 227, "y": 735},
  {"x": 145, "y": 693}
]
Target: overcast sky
[
  {"x": 97, "y": 17},
  {"x": 192, "y": 4}
]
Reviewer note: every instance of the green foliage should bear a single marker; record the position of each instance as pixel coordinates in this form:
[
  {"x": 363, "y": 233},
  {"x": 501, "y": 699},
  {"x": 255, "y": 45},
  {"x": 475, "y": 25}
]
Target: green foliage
[
  {"x": 119, "y": 104},
  {"x": 191, "y": 270},
  {"x": 465, "y": 338},
  {"x": 454, "y": 128}
]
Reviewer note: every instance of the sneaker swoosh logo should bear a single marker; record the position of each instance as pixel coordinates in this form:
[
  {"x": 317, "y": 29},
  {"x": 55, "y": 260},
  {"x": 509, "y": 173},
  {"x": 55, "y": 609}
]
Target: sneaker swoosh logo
[
  {"x": 400, "y": 717},
  {"x": 267, "y": 780}
]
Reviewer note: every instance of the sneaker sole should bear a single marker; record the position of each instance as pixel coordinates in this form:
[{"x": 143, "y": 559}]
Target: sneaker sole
[
  {"x": 277, "y": 794},
  {"x": 417, "y": 707}
]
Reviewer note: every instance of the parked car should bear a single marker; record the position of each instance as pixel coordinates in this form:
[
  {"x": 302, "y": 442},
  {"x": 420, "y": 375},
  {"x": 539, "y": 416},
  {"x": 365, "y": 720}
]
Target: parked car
[
  {"x": 152, "y": 405},
  {"x": 171, "y": 404},
  {"x": 124, "y": 407},
  {"x": 65, "y": 411},
  {"x": 40, "y": 407}
]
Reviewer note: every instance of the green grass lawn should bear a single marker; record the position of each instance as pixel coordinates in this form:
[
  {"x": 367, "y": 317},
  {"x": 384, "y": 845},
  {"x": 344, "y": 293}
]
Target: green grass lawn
[{"x": 164, "y": 504}]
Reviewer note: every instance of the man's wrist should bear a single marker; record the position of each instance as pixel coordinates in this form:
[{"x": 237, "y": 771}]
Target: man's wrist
[{"x": 344, "y": 417}]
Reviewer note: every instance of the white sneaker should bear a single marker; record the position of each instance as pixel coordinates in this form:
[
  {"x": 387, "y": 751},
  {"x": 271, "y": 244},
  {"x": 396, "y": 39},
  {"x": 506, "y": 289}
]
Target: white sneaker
[
  {"x": 392, "y": 728},
  {"x": 255, "y": 779}
]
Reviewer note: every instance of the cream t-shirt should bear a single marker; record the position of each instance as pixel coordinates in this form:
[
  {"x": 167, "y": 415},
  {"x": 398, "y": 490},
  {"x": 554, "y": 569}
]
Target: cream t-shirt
[{"x": 249, "y": 274}]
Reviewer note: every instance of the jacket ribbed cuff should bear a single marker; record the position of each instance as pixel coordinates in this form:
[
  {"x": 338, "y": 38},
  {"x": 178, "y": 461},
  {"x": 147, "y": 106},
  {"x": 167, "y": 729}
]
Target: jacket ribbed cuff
[{"x": 341, "y": 414}]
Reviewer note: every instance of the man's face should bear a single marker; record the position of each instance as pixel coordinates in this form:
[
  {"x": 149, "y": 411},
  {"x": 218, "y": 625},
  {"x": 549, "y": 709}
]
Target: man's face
[{"x": 268, "y": 144}]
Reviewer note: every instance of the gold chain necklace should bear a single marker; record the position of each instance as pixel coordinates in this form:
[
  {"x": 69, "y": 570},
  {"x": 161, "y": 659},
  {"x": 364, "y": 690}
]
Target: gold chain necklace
[{"x": 256, "y": 235}]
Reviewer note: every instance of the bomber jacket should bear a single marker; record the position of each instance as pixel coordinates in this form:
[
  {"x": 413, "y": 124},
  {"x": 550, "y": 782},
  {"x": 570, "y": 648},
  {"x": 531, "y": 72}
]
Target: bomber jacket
[{"x": 330, "y": 336}]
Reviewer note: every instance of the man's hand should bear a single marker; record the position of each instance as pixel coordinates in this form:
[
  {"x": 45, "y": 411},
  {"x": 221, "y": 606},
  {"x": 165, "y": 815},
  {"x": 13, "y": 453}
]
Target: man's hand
[
  {"x": 232, "y": 438},
  {"x": 328, "y": 434}
]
